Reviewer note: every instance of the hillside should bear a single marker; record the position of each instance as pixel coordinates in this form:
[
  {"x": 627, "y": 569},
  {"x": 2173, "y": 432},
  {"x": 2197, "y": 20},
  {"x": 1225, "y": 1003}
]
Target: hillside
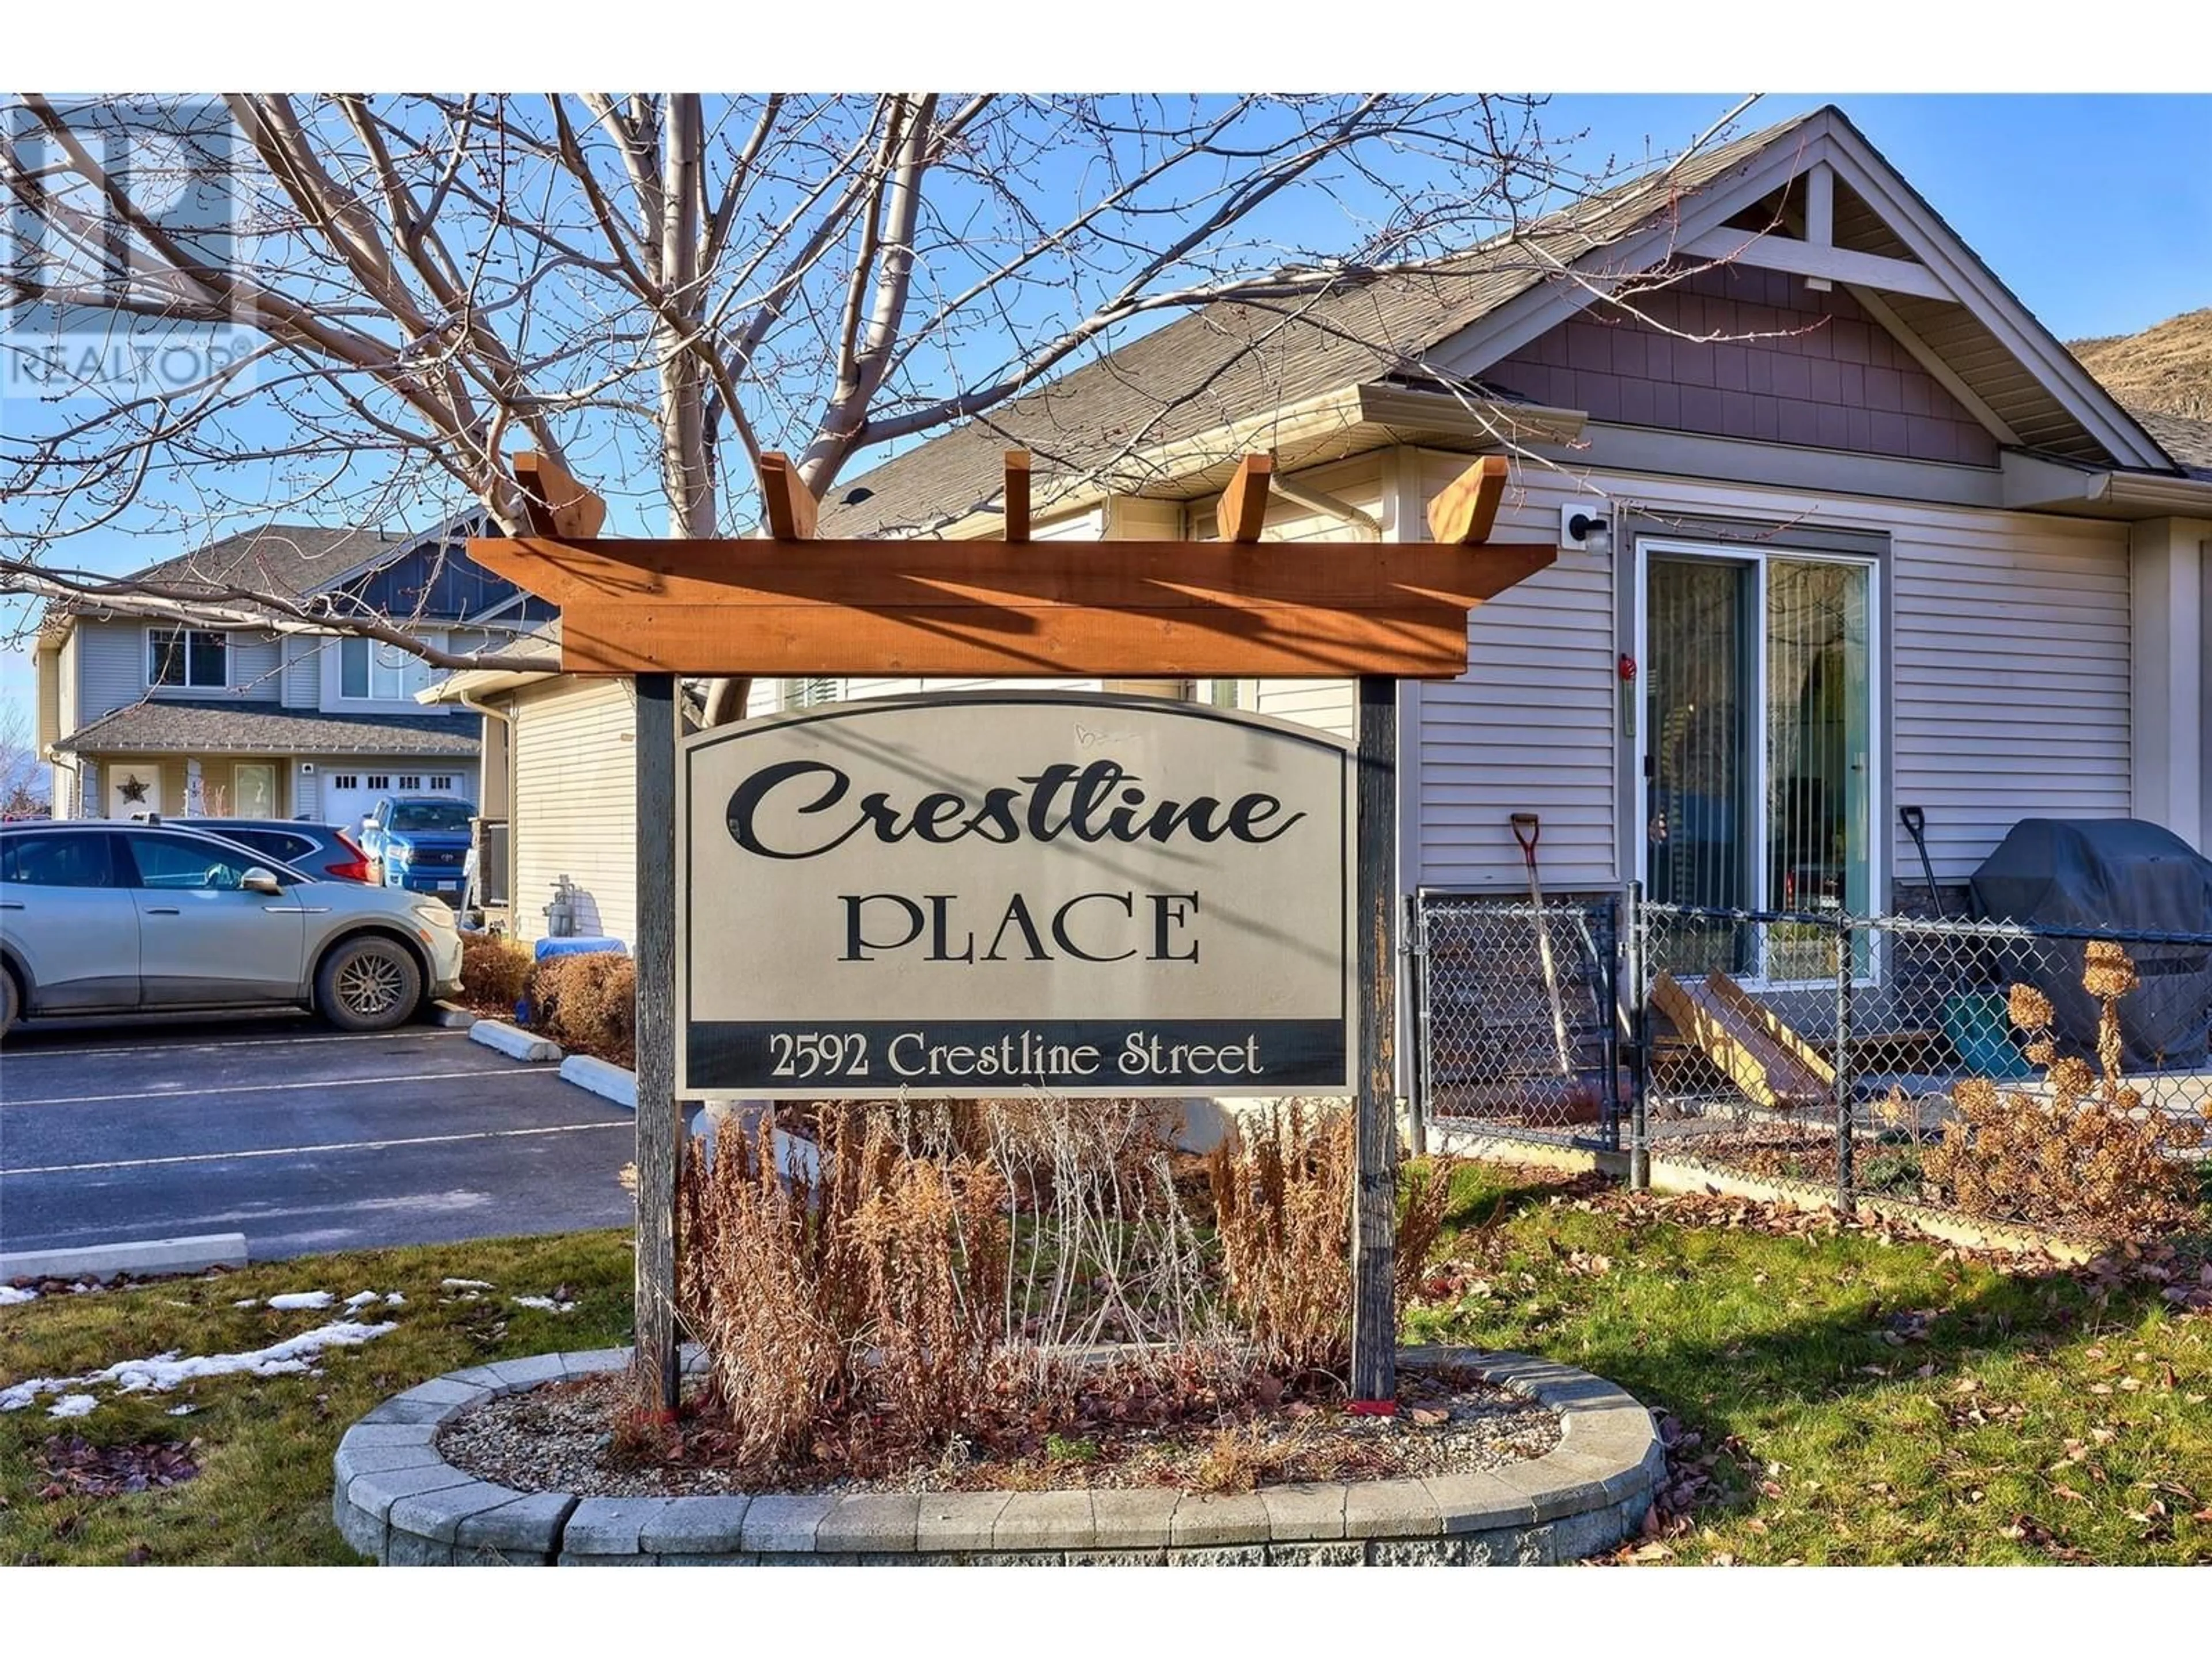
[{"x": 2165, "y": 369}]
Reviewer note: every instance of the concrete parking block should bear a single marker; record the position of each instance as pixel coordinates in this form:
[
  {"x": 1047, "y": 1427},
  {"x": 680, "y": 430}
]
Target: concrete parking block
[
  {"x": 697, "y": 1526},
  {"x": 870, "y": 1522},
  {"x": 1305, "y": 1510},
  {"x": 602, "y": 1077},
  {"x": 515, "y": 1043},
  {"x": 785, "y": 1522},
  {"x": 1045, "y": 1521},
  {"x": 957, "y": 1520}
]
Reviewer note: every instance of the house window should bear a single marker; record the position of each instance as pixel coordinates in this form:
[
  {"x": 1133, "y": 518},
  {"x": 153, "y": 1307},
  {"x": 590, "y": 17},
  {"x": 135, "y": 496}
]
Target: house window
[
  {"x": 375, "y": 670},
  {"x": 1759, "y": 749},
  {"x": 345, "y": 780},
  {"x": 380, "y": 780},
  {"x": 189, "y": 657},
  {"x": 809, "y": 693},
  {"x": 409, "y": 780}
]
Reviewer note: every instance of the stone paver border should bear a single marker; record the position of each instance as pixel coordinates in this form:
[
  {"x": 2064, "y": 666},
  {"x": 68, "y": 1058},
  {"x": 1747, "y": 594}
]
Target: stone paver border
[{"x": 398, "y": 1502}]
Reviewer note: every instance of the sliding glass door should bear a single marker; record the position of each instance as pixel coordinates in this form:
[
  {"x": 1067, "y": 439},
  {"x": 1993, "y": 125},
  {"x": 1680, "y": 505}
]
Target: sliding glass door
[{"x": 1757, "y": 746}]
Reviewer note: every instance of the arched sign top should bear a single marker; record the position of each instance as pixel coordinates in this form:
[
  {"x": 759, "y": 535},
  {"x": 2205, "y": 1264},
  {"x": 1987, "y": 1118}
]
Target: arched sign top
[{"x": 979, "y": 893}]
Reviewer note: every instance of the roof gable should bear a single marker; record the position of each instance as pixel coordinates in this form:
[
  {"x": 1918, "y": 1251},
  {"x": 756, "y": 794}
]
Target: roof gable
[{"x": 1745, "y": 203}]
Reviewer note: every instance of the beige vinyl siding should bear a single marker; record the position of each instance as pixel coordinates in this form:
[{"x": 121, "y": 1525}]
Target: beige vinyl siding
[
  {"x": 2010, "y": 638},
  {"x": 575, "y": 781},
  {"x": 67, "y": 691},
  {"x": 2005, "y": 680},
  {"x": 1530, "y": 727},
  {"x": 1358, "y": 483}
]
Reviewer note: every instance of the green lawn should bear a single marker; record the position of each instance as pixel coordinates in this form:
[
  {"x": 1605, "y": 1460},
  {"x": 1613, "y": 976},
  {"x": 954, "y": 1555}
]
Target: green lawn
[
  {"x": 264, "y": 1493},
  {"x": 1869, "y": 1401},
  {"x": 1857, "y": 1401}
]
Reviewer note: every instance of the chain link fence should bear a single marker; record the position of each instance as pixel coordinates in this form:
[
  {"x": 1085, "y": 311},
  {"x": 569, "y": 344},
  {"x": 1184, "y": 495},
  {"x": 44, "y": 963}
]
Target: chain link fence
[
  {"x": 2060, "y": 1078},
  {"x": 1519, "y": 1017}
]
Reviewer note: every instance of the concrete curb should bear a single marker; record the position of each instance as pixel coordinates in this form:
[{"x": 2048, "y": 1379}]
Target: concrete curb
[
  {"x": 602, "y": 1077},
  {"x": 145, "y": 1255},
  {"x": 515, "y": 1043},
  {"x": 451, "y": 1015},
  {"x": 397, "y": 1501}
]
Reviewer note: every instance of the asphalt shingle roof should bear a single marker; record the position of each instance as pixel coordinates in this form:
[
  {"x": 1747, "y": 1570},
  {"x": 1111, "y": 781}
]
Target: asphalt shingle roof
[
  {"x": 244, "y": 728},
  {"x": 288, "y": 558},
  {"x": 2189, "y": 442},
  {"x": 1229, "y": 361}
]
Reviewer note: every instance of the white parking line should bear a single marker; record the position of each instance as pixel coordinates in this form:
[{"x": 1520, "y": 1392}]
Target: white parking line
[
  {"x": 327, "y": 1147},
  {"x": 14, "y": 1054},
  {"x": 169, "y": 1091}
]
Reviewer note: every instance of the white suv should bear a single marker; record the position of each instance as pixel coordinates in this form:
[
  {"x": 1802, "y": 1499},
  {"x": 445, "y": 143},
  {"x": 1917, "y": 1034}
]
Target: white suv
[{"x": 99, "y": 918}]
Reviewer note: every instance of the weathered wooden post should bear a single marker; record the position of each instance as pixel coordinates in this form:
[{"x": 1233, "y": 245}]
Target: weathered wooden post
[
  {"x": 1375, "y": 917},
  {"x": 659, "y": 1123}
]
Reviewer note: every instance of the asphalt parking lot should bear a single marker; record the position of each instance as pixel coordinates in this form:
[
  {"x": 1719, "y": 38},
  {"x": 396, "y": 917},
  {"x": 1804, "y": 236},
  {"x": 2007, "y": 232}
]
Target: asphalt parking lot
[{"x": 302, "y": 1137}]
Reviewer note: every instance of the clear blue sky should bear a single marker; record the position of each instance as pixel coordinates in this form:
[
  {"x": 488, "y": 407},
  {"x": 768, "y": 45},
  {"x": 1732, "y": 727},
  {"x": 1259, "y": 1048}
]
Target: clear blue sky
[{"x": 2096, "y": 210}]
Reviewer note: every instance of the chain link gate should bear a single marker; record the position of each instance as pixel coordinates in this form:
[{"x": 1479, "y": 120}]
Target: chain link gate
[{"x": 1518, "y": 1018}]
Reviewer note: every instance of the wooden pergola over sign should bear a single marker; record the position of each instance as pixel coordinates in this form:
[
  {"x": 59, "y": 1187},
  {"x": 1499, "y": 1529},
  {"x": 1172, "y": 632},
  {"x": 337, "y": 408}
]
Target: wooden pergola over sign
[
  {"x": 791, "y": 604},
  {"x": 1232, "y": 607}
]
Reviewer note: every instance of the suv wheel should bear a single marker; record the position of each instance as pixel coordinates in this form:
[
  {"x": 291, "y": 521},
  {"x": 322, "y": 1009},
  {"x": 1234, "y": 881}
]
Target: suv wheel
[
  {"x": 10, "y": 1004},
  {"x": 369, "y": 984}
]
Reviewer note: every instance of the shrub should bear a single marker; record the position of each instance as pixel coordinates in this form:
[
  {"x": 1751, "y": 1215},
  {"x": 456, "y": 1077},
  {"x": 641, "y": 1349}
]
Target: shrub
[
  {"x": 588, "y": 1003},
  {"x": 938, "y": 1278},
  {"x": 494, "y": 974},
  {"x": 1282, "y": 1200},
  {"x": 2086, "y": 1152}
]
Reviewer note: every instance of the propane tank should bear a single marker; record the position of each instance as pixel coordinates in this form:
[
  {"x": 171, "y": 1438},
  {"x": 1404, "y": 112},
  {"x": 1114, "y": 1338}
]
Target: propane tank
[{"x": 561, "y": 914}]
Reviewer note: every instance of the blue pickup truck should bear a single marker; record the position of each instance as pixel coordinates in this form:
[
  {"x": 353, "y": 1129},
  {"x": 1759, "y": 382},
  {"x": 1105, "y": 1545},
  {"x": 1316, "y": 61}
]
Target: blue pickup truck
[{"x": 421, "y": 843}]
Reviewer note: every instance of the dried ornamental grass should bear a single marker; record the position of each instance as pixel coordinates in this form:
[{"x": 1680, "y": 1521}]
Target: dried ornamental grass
[
  {"x": 495, "y": 973},
  {"x": 2088, "y": 1154}
]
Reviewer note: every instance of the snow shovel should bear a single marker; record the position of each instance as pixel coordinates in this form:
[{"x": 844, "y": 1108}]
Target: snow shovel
[
  {"x": 1915, "y": 825},
  {"x": 1527, "y": 827}
]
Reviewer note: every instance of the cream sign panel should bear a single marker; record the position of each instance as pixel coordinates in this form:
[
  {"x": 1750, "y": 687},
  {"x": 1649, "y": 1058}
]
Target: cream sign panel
[{"x": 978, "y": 893}]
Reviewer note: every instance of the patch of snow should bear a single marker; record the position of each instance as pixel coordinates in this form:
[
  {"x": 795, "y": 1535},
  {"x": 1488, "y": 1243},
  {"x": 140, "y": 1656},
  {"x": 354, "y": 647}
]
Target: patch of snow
[
  {"x": 466, "y": 1284},
  {"x": 72, "y": 1405},
  {"x": 359, "y": 1299},
  {"x": 300, "y": 1299},
  {"x": 546, "y": 1302},
  {"x": 248, "y": 1301},
  {"x": 11, "y": 1297},
  {"x": 395, "y": 1300},
  {"x": 15, "y": 1398},
  {"x": 165, "y": 1371},
  {"x": 182, "y": 1411}
]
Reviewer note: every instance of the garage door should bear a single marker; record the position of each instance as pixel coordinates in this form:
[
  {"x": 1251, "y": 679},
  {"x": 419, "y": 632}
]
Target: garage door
[{"x": 349, "y": 792}]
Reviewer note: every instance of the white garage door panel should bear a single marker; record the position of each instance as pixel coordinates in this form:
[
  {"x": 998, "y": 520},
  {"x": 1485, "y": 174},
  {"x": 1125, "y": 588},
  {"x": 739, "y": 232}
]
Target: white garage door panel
[{"x": 349, "y": 790}]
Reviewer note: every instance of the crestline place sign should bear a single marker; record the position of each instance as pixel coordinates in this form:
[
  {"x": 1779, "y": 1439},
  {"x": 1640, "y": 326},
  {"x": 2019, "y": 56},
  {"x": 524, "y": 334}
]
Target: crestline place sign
[{"x": 976, "y": 893}]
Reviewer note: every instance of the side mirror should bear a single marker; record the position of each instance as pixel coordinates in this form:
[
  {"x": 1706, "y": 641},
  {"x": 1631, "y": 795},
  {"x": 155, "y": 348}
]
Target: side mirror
[{"x": 257, "y": 880}]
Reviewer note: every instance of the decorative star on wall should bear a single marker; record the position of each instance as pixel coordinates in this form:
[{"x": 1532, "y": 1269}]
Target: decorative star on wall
[{"x": 133, "y": 790}]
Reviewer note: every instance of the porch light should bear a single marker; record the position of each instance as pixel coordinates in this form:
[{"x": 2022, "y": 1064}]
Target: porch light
[{"x": 1586, "y": 531}]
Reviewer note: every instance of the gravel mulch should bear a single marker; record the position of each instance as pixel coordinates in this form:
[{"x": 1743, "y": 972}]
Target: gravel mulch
[{"x": 560, "y": 1438}]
